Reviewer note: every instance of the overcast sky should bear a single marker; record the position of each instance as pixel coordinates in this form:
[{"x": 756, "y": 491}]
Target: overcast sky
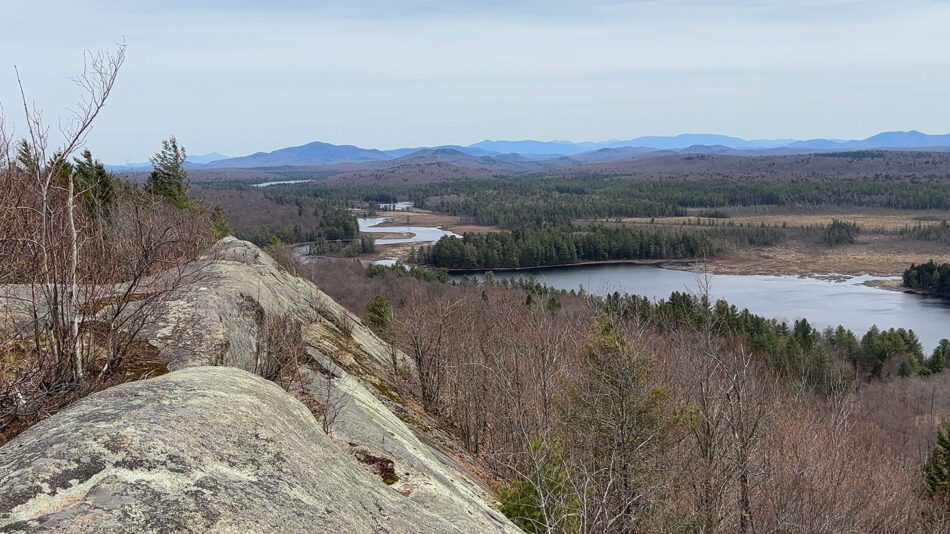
[{"x": 248, "y": 75}]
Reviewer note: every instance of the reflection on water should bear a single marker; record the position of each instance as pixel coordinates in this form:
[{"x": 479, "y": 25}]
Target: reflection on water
[
  {"x": 419, "y": 234},
  {"x": 823, "y": 302}
]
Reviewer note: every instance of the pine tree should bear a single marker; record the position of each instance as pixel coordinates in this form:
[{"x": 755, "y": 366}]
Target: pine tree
[
  {"x": 220, "y": 225},
  {"x": 941, "y": 357},
  {"x": 629, "y": 425},
  {"x": 379, "y": 312},
  {"x": 937, "y": 468},
  {"x": 97, "y": 186},
  {"x": 168, "y": 178}
]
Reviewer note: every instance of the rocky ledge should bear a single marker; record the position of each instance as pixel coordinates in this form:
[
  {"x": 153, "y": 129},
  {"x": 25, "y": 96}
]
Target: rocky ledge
[{"x": 211, "y": 446}]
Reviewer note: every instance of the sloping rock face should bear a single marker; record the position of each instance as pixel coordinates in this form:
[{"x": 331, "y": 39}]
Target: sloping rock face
[
  {"x": 220, "y": 449},
  {"x": 198, "y": 450},
  {"x": 217, "y": 319}
]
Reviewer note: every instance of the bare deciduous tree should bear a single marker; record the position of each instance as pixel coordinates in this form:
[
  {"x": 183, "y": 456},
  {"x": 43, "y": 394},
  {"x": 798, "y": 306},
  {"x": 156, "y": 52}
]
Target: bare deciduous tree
[
  {"x": 332, "y": 401},
  {"x": 82, "y": 281},
  {"x": 59, "y": 287},
  {"x": 424, "y": 330}
]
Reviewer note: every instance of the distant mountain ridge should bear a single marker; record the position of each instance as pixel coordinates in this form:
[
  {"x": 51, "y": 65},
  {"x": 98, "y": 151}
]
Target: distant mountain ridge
[
  {"x": 315, "y": 153},
  {"x": 903, "y": 140},
  {"x": 206, "y": 158},
  {"x": 560, "y": 152},
  {"x": 909, "y": 139},
  {"x": 190, "y": 160}
]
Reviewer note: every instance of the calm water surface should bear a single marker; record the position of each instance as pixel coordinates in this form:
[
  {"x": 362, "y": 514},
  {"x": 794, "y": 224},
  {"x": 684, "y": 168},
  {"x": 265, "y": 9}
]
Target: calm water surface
[
  {"x": 420, "y": 234},
  {"x": 823, "y": 302},
  {"x": 281, "y": 182}
]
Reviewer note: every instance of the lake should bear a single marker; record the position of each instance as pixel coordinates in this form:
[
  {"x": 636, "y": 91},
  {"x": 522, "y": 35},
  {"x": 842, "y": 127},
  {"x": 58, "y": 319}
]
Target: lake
[
  {"x": 823, "y": 302},
  {"x": 281, "y": 182}
]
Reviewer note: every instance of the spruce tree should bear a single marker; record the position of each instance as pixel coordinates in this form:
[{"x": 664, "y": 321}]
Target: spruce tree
[
  {"x": 941, "y": 357},
  {"x": 937, "y": 468},
  {"x": 379, "y": 312},
  {"x": 98, "y": 187},
  {"x": 168, "y": 178}
]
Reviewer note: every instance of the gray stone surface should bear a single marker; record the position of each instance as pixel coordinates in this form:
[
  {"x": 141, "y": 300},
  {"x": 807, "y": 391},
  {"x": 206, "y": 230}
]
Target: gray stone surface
[
  {"x": 220, "y": 449},
  {"x": 215, "y": 320},
  {"x": 206, "y": 449}
]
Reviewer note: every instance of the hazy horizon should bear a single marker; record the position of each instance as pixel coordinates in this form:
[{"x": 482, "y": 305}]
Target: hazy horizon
[{"x": 238, "y": 78}]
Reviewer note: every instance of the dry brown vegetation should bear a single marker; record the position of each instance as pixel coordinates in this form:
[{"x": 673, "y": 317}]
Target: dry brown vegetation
[
  {"x": 600, "y": 421},
  {"x": 878, "y": 250},
  {"x": 744, "y": 448},
  {"x": 872, "y": 220},
  {"x": 418, "y": 217},
  {"x": 85, "y": 262},
  {"x": 248, "y": 209}
]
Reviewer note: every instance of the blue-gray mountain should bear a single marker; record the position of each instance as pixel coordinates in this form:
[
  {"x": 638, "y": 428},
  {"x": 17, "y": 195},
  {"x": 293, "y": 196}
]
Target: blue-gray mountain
[
  {"x": 315, "y": 153},
  {"x": 678, "y": 142},
  {"x": 895, "y": 140},
  {"x": 565, "y": 152},
  {"x": 199, "y": 159}
]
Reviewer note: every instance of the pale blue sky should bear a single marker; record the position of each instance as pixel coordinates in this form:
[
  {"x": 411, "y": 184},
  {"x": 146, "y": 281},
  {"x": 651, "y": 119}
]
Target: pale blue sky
[{"x": 237, "y": 77}]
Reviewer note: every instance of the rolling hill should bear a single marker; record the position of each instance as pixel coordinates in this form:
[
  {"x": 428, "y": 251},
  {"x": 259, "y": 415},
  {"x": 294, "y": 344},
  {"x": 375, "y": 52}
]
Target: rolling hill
[
  {"x": 315, "y": 153},
  {"x": 533, "y": 154}
]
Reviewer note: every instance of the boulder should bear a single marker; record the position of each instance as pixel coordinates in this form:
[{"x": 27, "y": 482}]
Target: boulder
[
  {"x": 208, "y": 449},
  {"x": 212, "y": 446},
  {"x": 217, "y": 318}
]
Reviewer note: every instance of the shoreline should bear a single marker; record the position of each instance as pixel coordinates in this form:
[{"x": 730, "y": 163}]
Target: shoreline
[
  {"x": 922, "y": 293},
  {"x": 694, "y": 265},
  {"x": 872, "y": 256},
  {"x": 650, "y": 263},
  {"x": 884, "y": 283}
]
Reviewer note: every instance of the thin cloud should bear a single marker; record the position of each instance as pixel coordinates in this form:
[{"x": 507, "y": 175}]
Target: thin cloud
[{"x": 237, "y": 77}]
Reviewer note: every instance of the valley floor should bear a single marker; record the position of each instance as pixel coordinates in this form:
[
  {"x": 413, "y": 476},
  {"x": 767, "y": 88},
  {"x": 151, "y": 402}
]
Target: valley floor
[
  {"x": 874, "y": 255},
  {"x": 418, "y": 217},
  {"x": 878, "y": 250}
]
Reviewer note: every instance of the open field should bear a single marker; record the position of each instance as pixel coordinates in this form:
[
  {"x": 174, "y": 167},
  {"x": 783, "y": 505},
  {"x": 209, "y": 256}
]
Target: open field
[
  {"x": 869, "y": 220},
  {"x": 878, "y": 249},
  {"x": 383, "y": 252},
  {"x": 875, "y": 255}
]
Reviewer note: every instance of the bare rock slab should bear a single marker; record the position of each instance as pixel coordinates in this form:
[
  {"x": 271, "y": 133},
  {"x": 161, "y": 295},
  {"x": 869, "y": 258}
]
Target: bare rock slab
[{"x": 204, "y": 449}]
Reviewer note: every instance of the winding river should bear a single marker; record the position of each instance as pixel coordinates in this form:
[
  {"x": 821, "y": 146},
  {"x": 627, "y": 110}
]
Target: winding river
[{"x": 419, "y": 234}]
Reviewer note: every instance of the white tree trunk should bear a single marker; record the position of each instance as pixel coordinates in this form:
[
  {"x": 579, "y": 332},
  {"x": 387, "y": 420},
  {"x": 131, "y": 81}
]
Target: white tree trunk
[{"x": 73, "y": 303}]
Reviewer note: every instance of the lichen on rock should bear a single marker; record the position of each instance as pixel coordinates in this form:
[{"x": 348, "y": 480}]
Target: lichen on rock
[
  {"x": 197, "y": 450},
  {"x": 213, "y": 447}
]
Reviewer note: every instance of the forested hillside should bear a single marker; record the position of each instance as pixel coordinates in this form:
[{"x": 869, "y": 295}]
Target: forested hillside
[
  {"x": 415, "y": 400},
  {"x": 697, "y": 416},
  {"x": 535, "y": 201}
]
